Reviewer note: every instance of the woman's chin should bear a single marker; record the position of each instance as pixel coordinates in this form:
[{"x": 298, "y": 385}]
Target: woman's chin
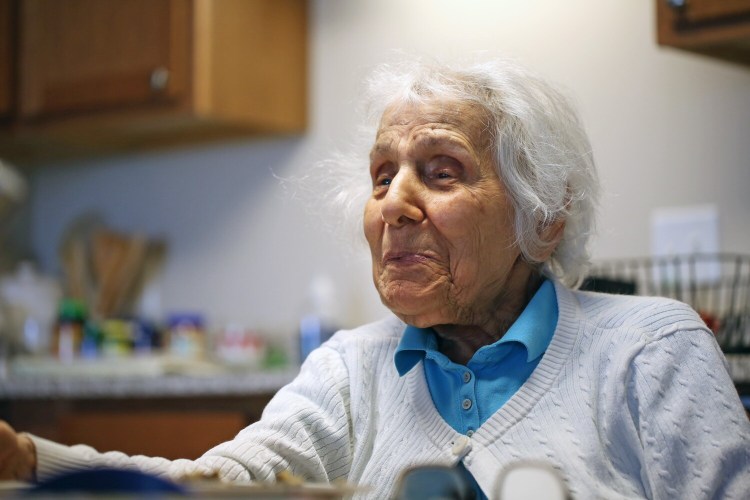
[
  {"x": 420, "y": 310},
  {"x": 422, "y": 320}
]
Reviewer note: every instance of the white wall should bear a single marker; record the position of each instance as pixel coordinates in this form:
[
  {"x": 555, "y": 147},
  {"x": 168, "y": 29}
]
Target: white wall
[{"x": 667, "y": 127}]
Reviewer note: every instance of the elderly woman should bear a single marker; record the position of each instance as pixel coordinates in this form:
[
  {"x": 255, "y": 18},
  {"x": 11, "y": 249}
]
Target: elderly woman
[{"x": 482, "y": 200}]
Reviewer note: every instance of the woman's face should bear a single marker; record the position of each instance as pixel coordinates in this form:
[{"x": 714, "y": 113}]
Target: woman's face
[{"x": 439, "y": 222}]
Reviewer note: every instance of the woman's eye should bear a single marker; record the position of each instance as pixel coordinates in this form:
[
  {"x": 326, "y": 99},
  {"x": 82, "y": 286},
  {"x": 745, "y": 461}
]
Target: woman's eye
[
  {"x": 382, "y": 181},
  {"x": 443, "y": 169},
  {"x": 382, "y": 174}
]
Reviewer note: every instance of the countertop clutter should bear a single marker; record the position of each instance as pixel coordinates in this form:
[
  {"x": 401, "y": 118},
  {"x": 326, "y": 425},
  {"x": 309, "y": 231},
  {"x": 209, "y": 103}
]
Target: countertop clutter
[
  {"x": 78, "y": 359},
  {"x": 104, "y": 319}
]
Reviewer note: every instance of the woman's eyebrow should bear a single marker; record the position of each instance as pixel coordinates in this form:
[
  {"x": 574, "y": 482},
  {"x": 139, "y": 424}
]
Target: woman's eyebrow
[
  {"x": 433, "y": 138},
  {"x": 381, "y": 147}
]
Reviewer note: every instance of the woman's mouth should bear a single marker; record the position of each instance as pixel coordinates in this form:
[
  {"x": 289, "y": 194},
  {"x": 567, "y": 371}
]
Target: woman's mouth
[{"x": 406, "y": 258}]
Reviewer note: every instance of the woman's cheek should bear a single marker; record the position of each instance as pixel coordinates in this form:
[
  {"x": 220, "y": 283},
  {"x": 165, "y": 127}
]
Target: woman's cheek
[{"x": 372, "y": 225}]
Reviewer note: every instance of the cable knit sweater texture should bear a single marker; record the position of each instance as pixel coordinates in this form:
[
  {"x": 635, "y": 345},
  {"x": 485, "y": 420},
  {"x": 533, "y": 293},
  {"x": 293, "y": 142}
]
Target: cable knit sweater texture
[{"x": 632, "y": 399}]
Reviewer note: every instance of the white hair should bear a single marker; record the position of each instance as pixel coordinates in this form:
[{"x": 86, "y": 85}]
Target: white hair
[{"x": 541, "y": 150}]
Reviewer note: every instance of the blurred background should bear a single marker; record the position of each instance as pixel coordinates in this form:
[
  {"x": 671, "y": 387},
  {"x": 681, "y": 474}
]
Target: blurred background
[
  {"x": 668, "y": 128},
  {"x": 231, "y": 245}
]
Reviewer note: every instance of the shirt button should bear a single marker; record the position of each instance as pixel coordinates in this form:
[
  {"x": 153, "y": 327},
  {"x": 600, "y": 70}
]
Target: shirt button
[
  {"x": 467, "y": 377},
  {"x": 469, "y": 433},
  {"x": 466, "y": 404},
  {"x": 461, "y": 446}
]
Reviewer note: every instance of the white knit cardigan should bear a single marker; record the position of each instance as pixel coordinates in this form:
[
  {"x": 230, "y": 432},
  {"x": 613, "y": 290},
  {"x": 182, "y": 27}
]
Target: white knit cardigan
[{"x": 632, "y": 399}]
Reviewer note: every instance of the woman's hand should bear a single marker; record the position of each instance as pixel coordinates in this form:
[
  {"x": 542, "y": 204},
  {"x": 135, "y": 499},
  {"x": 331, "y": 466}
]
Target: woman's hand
[{"x": 17, "y": 455}]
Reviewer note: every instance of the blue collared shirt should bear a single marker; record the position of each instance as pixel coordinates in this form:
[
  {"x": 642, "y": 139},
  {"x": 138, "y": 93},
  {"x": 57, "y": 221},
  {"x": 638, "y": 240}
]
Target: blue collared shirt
[{"x": 466, "y": 396}]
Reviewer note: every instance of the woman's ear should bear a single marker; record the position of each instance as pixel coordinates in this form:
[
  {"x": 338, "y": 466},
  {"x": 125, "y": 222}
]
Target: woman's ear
[{"x": 551, "y": 234}]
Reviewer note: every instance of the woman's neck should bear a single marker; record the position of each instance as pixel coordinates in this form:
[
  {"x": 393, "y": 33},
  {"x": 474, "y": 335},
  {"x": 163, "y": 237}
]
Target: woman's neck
[{"x": 460, "y": 342}]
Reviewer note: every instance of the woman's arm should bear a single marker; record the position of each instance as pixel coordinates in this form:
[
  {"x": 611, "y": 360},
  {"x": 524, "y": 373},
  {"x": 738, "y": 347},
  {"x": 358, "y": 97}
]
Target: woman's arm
[
  {"x": 305, "y": 429},
  {"x": 693, "y": 432}
]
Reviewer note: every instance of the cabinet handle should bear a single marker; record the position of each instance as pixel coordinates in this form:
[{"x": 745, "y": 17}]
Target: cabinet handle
[
  {"x": 677, "y": 4},
  {"x": 159, "y": 79}
]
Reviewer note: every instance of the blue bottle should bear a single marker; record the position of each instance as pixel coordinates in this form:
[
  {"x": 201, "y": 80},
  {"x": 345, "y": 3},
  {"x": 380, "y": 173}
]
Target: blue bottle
[{"x": 320, "y": 323}]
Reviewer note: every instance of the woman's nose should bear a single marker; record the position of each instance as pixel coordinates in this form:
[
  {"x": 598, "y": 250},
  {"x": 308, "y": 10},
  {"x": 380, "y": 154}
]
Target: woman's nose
[{"x": 401, "y": 204}]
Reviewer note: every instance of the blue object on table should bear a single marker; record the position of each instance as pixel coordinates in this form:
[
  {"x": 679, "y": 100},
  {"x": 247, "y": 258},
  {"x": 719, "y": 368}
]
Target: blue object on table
[
  {"x": 106, "y": 481},
  {"x": 434, "y": 482}
]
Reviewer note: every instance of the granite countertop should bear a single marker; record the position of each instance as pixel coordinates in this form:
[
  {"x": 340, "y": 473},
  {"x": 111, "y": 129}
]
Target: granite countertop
[
  {"x": 136, "y": 378},
  {"x": 166, "y": 377}
]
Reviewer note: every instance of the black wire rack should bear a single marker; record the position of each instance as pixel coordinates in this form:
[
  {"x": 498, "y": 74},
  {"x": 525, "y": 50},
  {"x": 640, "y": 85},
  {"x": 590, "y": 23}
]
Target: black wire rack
[{"x": 717, "y": 286}]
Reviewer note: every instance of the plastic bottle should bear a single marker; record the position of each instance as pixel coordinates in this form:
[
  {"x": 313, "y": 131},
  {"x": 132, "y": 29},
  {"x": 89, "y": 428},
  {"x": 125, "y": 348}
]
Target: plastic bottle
[
  {"x": 30, "y": 301},
  {"x": 321, "y": 322},
  {"x": 187, "y": 335},
  {"x": 70, "y": 331}
]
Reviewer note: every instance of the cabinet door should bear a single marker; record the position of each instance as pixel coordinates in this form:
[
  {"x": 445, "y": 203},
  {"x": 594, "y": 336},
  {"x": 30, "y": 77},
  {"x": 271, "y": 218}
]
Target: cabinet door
[
  {"x": 717, "y": 28},
  {"x": 173, "y": 435},
  {"x": 251, "y": 62},
  {"x": 6, "y": 58},
  {"x": 83, "y": 55},
  {"x": 703, "y": 23},
  {"x": 710, "y": 11}
]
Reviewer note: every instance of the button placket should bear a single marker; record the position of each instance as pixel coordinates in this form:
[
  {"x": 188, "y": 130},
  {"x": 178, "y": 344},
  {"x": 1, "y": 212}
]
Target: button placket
[{"x": 468, "y": 401}]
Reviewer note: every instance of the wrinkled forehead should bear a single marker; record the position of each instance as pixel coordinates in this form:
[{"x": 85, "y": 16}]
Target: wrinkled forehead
[
  {"x": 468, "y": 117},
  {"x": 453, "y": 112}
]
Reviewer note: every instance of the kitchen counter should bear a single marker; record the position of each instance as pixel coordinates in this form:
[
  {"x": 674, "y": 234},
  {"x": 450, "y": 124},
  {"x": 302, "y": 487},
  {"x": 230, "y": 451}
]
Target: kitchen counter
[
  {"x": 43, "y": 387},
  {"x": 153, "y": 377},
  {"x": 154, "y": 406}
]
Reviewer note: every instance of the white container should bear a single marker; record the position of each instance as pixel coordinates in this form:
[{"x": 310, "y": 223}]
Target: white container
[
  {"x": 29, "y": 300},
  {"x": 321, "y": 321}
]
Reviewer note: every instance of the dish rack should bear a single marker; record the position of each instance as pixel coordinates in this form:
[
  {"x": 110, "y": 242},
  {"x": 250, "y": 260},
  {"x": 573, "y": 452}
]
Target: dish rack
[{"x": 717, "y": 286}]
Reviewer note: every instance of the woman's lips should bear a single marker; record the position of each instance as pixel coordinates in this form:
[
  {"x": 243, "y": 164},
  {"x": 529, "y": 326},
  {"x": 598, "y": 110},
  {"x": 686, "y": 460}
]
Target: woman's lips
[{"x": 406, "y": 258}]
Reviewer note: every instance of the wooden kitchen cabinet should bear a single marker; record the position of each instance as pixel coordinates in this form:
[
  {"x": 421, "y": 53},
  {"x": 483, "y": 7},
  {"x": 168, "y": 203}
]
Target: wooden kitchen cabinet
[
  {"x": 715, "y": 28},
  {"x": 6, "y": 56},
  {"x": 170, "y": 427},
  {"x": 79, "y": 56},
  {"x": 167, "y": 434},
  {"x": 92, "y": 77}
]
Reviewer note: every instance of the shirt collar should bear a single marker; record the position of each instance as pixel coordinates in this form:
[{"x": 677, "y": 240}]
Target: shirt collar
[{"x": 533, "y": 329}]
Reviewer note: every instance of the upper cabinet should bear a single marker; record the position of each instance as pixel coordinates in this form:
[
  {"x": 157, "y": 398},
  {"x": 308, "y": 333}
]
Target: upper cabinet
[
  {"x": 78, "y": 56},
  {"x": 81, "y": 77},
  {"x": 6, "y": 53},
  {"x": 718, "y": 28}
]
